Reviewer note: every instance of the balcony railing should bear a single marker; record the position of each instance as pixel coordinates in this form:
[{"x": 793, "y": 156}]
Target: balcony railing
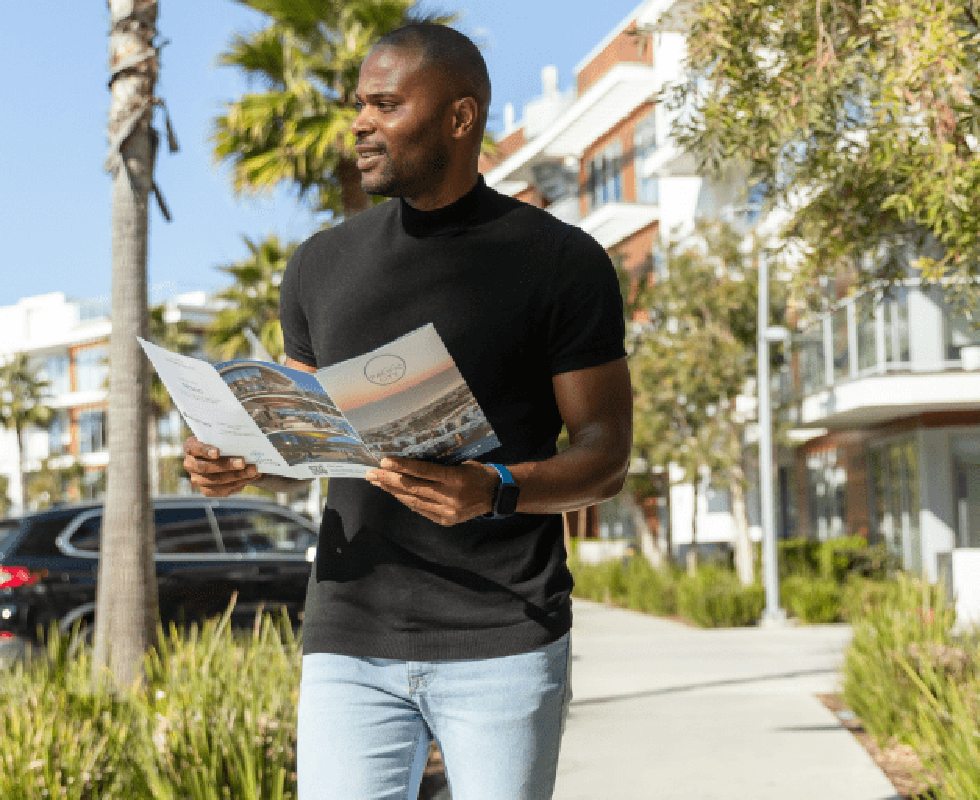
[{"x": 909, "y": 330}]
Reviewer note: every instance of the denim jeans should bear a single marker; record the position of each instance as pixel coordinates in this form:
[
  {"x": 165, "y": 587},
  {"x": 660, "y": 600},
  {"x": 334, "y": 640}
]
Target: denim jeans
[{"x": 365, "y": 725}]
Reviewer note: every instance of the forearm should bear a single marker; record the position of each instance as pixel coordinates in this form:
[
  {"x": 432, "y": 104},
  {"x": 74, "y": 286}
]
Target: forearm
[
  {"x": 592, "y": 469},
  {"x": 280, "y": 483}
]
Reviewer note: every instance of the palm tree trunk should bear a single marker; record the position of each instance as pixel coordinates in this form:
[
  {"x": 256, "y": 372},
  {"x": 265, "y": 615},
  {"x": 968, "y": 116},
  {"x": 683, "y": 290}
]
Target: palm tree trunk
[{"x": 126, "y": 611}]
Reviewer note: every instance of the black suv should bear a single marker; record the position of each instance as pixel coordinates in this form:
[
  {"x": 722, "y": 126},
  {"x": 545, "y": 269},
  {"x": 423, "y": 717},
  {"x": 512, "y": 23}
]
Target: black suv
[{"x": 206, "y": 549}]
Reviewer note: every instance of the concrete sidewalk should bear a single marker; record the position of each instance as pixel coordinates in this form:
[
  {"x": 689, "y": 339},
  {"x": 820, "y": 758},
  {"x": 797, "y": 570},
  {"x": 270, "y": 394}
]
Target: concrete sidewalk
[{"x": 666, "y": 712}]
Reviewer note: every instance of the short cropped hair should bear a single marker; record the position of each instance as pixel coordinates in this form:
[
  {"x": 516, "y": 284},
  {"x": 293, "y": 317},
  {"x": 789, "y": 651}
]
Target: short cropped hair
[{"x": 453, "y": 54}]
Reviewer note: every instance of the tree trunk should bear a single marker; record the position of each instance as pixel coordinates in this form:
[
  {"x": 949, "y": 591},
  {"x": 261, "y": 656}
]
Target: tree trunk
[
  {"x": 743, "y": 544},
  {"x": 127, "y": 603},
  {"x": 692, "y": 553},
  {"x": 20, "y": 469},
  {"x": 352, "y": 194},
  {"x": 153, "y": 453}
]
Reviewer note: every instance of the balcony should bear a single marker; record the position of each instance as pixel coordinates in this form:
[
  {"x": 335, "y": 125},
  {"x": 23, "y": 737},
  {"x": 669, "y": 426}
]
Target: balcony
[{"x": 873, "y": 359}]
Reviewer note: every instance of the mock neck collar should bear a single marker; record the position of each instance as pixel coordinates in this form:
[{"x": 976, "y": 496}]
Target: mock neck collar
[{"x": 445, "y": 220}]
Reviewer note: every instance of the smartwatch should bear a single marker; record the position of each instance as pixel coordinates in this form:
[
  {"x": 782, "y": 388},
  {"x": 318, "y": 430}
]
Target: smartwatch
[{"x": 504, "y": 495}]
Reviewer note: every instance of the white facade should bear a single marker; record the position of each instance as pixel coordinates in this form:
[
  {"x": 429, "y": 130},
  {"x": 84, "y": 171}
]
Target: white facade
[{"x": 67, "y": 341}]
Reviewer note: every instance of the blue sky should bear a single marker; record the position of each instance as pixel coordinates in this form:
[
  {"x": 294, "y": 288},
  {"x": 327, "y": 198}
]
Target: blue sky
[{"x": 54, "y": 206}]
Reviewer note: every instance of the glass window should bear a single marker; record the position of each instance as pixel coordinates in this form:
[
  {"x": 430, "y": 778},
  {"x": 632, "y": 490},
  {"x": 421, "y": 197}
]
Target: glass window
[
  {"x": 184, "y": 530},
  {"x": 897, "y": 327},
  {"x": 864, "y": 308},
  {"x": 812, "y": 367},
  {"x": 604, "y": 177},
  {"x": 246, "y": 530},
  {"x": 59, "y": 436},
  {"x": 842, "y": 369},
  {"x": 959, "y": 332},
  {"x": 92, "y": 367},
  {"x": 92, "y": 433},
  {"x": 894, "y": 483},
  {"x": 827, "y": 491},
  {"x": 87, "y": 535},
  {"x": 644, "y": 148}
]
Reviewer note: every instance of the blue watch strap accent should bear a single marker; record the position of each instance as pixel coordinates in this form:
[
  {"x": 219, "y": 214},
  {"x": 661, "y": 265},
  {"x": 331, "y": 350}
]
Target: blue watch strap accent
[{"x": 503, "y": 472}]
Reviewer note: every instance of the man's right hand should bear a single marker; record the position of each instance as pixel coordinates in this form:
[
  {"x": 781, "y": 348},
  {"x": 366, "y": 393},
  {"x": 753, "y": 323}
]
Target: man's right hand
[{"x": 213, "y": 475}]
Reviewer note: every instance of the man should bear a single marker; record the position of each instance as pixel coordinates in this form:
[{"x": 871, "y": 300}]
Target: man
[{"x": 424, "y": 617}]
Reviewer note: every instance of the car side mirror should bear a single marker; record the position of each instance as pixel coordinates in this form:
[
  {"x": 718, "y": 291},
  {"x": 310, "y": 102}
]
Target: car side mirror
[{"x": 311, "y": 553}]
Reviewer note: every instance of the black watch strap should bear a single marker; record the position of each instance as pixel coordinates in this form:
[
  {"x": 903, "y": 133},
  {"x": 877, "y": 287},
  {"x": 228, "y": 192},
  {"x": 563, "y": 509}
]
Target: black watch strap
[{"x": 505, "y": 495}]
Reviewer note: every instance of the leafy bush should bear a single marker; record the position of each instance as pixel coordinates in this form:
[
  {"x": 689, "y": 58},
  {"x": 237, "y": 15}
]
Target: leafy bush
[
  {"x": 215, "y": 719},
  {"x": 911, "y": 683},
  {"x": 811, "y": 599},
  {"x": 716, "y": 598}
]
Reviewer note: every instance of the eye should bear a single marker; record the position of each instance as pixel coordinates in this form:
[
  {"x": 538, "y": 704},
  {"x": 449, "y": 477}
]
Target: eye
[
  {"x": 386, "y": 105},
  {"x": 358, "y": 106}
]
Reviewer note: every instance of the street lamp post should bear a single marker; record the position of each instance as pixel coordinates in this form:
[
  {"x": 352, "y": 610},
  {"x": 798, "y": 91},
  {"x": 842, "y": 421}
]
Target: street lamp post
[{"x": 773, "y": 614}]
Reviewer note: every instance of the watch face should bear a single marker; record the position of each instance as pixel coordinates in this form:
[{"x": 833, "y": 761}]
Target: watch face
[{"x": 507, "y": 498}]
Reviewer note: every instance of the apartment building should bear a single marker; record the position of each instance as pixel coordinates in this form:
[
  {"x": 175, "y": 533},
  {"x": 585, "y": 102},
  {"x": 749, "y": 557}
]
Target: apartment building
[
  {"x": 598, "y": 155},
  {"x": 67, "y": 340}
]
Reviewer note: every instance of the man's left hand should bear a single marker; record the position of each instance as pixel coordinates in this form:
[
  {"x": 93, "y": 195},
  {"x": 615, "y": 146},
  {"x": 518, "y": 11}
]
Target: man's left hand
[{"x": 446, "y": 495}]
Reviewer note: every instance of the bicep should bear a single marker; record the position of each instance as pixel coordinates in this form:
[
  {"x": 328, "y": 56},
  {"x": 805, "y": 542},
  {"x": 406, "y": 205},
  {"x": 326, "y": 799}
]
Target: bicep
[
  {"x": 292, "y": 363},
  {"x": 597, "y": 397}
]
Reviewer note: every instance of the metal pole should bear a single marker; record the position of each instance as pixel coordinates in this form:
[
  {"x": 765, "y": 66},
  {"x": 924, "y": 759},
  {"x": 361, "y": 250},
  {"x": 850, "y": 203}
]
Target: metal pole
[{"x": 773, "y": 614}]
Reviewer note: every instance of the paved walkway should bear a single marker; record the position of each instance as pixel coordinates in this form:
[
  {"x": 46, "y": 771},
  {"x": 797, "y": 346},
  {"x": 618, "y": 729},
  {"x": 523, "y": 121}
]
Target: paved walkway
[{"x": 666, "y": 712}]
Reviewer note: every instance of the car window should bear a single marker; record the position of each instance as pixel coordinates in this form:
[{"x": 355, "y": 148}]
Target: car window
[
  {"x": 8, "y": 530},
  {"x": 249, "y": 530},
  {"x": 87, "y": 535},
  {"x": 41, "y": 537},
  {"x": 184, "y": 530}
]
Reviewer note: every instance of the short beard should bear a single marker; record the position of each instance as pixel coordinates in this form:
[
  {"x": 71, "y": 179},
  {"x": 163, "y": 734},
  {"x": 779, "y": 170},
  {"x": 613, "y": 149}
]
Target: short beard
[{"x": 409, "y": 179}]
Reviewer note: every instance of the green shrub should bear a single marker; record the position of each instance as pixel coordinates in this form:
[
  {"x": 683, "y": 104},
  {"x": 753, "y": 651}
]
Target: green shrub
[
  {"x": 811, "y": 600},
  {"x": 215, "y": 719},
  {"x": 633, "y": 583},
  {"x": 715, "y": 598}
]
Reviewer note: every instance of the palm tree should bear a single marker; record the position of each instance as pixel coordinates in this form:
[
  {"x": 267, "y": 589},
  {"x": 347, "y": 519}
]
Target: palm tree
[
  {"x": 297, "y": 131},
  {"x": 22, "y": 395},
  {"x": 252, "y": 301},
  {"x": 127, "y": 600}
]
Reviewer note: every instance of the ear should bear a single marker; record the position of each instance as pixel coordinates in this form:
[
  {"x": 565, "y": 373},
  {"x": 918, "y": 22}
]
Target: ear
[{"x": 465, "y": 115}]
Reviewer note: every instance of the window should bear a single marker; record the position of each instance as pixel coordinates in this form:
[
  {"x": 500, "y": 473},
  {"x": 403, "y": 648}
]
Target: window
[
  {"x": 87, "y": 535},
  {"x": 644, "y": 149},
  {"x": 864, "y": 308},
  {"x": 827, "y": 489},
  {"x": 604, "y": 181},
  {"x": 92, "y": 364},
  {"x": 54, "y": 370},
  {"x": 181, "y": 531},
  {"x": 59, "y": 438},
  {"x": 842, "y": 368},
  {"x": 92, "y": 434},
  {"x": 897, "y": 349},
  {"x": 813, "y": 375},
  {"x": 245, "y": 530}
]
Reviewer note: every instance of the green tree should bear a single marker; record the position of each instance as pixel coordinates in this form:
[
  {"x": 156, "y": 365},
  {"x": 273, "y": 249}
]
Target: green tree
[
  {"x": 861, "y": 118},
  {"x": 692, "y": 352},
  {"x": 252, "y": 301},
  {"x": 126, "y": 597},
  {"x": 22, "y": 395},
  {"x": 4, "y": 495},
  {"x": 297, "y": 131}
]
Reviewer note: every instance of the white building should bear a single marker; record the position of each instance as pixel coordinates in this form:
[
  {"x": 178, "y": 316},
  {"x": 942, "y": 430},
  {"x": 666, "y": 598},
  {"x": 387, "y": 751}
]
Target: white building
[{"x": 68, "y": 341}]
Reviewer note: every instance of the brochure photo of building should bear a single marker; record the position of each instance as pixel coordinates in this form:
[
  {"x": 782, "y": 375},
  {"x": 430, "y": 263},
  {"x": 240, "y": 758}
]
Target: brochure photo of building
[
  {"x": 409, "y": 399},
  {"x": 300, "y": 420}
]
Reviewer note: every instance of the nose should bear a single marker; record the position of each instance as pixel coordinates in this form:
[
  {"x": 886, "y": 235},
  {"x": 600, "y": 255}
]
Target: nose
[{"x": 362, "y": 122}]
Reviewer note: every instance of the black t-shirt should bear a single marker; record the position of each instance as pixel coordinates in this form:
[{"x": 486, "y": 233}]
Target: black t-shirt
[{"x": 518, "y": 297}]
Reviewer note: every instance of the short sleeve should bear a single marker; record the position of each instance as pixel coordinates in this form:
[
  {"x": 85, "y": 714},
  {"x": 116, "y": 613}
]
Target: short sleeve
[
  {"x": 295, "y": 327},
  {"x": 585, "y": 320}
]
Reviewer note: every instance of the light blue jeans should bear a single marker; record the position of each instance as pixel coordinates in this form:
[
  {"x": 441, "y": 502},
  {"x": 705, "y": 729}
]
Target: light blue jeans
[{"x": 365, "y": 725}]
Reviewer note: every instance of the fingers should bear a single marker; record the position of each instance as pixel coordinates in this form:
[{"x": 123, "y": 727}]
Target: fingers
[
  {"x": 420, "y": 469},
  {"x": 213, "y": 475}
]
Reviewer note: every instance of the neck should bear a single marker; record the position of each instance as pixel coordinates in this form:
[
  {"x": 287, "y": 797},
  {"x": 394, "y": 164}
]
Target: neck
[{"x": 446, "y": 194}]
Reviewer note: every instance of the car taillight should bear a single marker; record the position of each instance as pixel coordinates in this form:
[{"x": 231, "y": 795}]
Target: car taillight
[{"x": 11, "y": 577}]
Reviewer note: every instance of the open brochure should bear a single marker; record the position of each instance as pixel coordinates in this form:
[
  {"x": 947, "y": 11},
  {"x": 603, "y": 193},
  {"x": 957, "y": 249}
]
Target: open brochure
[{"x": 406, "y": 398}]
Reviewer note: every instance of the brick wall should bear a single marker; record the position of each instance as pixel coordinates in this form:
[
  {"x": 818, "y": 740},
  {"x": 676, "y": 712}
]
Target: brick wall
[{"x": 631, "y": 49}]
